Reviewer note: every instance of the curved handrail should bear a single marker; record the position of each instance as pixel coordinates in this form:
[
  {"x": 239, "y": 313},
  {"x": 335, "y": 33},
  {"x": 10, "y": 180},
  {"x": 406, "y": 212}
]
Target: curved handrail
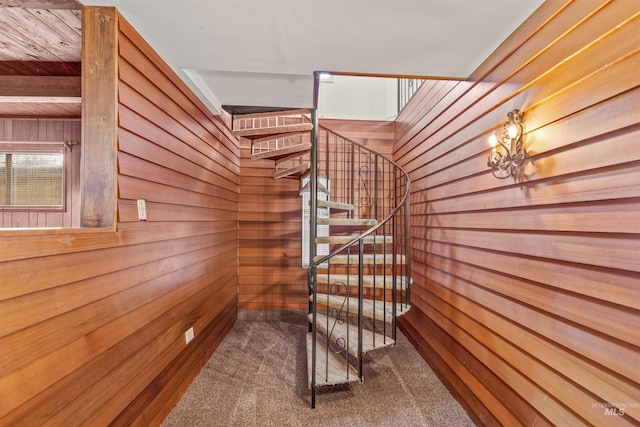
[
  {"x": 384, "y": 182},
  {"x": 385, "y": 220}
]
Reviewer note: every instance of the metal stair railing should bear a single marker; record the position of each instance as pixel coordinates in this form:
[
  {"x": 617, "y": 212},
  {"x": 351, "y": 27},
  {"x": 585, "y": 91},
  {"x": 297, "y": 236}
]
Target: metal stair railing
[
  {"x": 406, "y": 89},
  {"x": 377, "y": 188}
]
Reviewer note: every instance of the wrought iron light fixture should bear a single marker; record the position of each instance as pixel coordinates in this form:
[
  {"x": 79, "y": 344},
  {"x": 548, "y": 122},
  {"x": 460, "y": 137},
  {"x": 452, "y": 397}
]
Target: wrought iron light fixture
[{"x": 507, "y": 153}]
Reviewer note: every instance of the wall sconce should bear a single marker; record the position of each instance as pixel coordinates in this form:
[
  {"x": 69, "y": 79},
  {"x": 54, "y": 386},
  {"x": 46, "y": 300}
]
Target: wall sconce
[{"x": 507, "y": 153}]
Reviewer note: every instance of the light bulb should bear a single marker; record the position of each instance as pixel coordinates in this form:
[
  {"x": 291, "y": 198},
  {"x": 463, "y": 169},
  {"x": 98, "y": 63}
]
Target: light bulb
[{"x": 493, "y": 140}]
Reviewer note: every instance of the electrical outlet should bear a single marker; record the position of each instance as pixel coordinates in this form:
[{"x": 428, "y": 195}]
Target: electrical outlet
[
  {"x": 188, "y": 336},
  {"x": 142, "y": 210}
]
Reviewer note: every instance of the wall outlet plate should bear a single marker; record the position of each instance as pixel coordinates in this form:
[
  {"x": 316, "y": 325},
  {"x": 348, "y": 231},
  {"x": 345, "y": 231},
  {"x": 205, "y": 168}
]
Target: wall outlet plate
[
  {"x": 188, "y": 336},
  {"x": 142, "y": 210}
]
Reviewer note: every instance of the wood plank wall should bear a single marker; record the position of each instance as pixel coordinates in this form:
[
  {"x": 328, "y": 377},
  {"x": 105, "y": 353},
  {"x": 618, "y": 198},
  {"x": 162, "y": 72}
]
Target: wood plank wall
[
  {"x": 47, "y": 130},
  {"x": 92, "y": 323},
  {"x": 526, "y": 298},
  {"x": 270, "y": 273},
  {"x": 376, "y": 135}
]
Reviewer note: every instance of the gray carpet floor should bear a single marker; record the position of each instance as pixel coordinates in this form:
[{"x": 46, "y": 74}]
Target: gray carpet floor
[{"x": 258, "y": 377}]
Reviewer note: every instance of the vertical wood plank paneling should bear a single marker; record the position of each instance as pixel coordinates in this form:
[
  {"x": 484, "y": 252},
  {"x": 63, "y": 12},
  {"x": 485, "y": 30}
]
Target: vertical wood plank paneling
[
  {"x": 532, "y": 284},
  {"x": 96, "y": 319}
]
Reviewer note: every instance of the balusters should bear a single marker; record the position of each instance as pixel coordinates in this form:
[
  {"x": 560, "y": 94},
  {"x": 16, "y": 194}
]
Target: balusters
[{"x": 375, "y": 187}]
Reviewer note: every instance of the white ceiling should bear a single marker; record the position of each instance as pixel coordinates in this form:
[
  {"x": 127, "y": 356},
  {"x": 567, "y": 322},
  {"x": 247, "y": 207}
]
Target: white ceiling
[{"x": 264, "y": 52}]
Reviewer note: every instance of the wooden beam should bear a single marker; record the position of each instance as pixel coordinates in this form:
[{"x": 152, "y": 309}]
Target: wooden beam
[
  {"x": 41, "y": 99},
  {"x": 99, "y": 116},
  {"x": 39, "y": 68},
  {"x": 40, "y": 89},
  {"x": 42, "y": 4}
]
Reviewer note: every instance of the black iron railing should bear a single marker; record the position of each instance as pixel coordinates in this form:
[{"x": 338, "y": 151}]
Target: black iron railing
[
  {"x": 406, "y": 89},
  {"x": 366, "y": 271}
]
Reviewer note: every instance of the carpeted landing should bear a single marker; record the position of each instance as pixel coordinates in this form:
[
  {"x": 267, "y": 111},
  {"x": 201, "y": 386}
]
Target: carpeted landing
[{"x": 258, "y": 377}]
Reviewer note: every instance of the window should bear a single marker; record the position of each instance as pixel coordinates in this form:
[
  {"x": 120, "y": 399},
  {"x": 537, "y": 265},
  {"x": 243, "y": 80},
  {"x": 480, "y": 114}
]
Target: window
[{"x": 32, "y": 178}]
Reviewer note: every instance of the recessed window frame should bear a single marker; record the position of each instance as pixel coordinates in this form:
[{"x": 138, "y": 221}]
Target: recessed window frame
[
  {"x": 39, "y": 147},
  {"x": 99, "y": 125}
]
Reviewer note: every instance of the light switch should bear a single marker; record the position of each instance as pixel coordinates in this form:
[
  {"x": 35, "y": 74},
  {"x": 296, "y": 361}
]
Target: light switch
[
  {"x": 142, "y": 210},
  {"x": 188, "y": 336}
]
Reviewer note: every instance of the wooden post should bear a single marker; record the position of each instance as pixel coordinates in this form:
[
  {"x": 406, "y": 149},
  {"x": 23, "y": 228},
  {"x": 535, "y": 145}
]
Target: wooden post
[{"x": 99, "y": 116}]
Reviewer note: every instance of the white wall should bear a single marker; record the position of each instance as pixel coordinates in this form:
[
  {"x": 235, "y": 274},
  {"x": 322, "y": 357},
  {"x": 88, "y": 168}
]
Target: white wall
[{"x": 358, "y": 98}]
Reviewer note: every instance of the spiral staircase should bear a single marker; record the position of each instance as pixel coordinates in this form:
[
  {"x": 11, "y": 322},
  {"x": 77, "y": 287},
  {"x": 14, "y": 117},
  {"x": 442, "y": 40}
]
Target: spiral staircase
[{"x": 358, "y": 238}]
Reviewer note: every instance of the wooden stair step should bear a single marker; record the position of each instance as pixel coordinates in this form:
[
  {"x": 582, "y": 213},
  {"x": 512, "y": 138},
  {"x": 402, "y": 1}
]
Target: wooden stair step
[
  {"x": 295, "y": 165},
  {"x": 334, "y": 330},
  {"x": 273, "y": 130},
  {"x": 341, "y": 240},
  {"x": 371, "y": 309},
  {"x": 337, "y": 371},
  {"x": 369, "y": 281},
  {"x": 294, "y": 172},
  {"x": 335, "y": 205},
  {"x": 280, "y": 136},
  {"x": 369, "y": 259},
  {"x": 270, "y": 114},
  {"x": 299, "y": 156},
  {"x": 282, "y": 152},
  {"x": 355, "y": 222}
]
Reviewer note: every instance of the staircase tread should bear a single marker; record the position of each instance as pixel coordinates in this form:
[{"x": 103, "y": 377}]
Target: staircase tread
[
  {"x": 302, "y": 156},
  {"x": 371, "y": 309},
  {"x": 368, "y": 280},
  {"x": 335, "y": 205},
  {"x": 282, "y": 152},
  {"x": 347, "y": 221},
  {"x": 370, "y": 340},
  {"x": 339, "y": 370},
  {"x": 295, "y": 171},
  {"x": 379, "y": 240},
  {"x": 272, "y": 130},
  {"x": 281, "y": 135},
  {"x": 284, "y": 112},
  {"x": 369, "y": 259}
]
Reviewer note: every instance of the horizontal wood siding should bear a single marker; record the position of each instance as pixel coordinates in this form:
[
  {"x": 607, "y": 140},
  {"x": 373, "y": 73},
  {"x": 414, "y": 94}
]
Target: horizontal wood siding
[
  {"x": 270, "y": 243},
  {"x": 42, "y": 130},
  {"x": 526, "y": 297},
  {"x": 270, "y": 273},
  {"x": 92, "y": 323},
  {"x": 376, "y": 135}
]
